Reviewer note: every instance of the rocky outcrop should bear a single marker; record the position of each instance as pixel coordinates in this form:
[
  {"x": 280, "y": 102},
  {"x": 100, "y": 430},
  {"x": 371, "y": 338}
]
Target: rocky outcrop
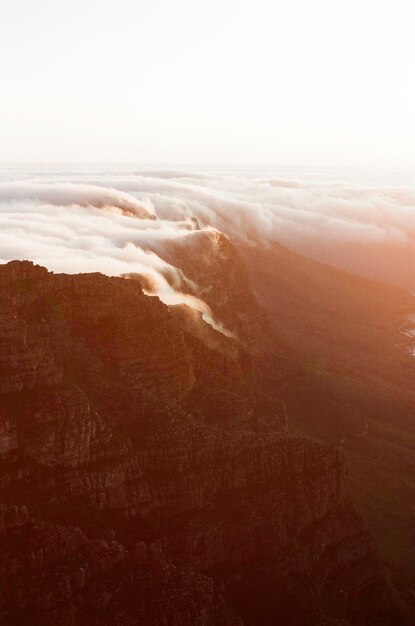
[
  {"x": 222, "y": 282},
  {"x": 149, "y": 505},
  {"x": 52, "y": 574}
]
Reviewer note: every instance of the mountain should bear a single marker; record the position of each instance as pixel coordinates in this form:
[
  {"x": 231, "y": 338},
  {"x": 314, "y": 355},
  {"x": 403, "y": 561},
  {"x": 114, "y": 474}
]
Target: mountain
[
  {"x": 147, "y": 473},
  {"x": 354, "y": 340}
]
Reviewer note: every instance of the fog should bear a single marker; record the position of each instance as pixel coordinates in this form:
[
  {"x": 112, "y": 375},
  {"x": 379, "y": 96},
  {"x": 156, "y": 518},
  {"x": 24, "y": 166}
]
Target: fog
[{"x": 116, "y": 221}]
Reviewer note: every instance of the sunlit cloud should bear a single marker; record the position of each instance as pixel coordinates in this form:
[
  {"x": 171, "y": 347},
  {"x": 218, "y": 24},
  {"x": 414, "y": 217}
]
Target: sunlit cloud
[{"x": 120, "y": 222}]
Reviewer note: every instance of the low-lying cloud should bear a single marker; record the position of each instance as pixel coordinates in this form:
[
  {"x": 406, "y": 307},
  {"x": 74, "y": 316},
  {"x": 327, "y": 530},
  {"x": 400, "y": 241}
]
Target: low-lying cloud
[
  {"x": 63, "y": 227},
  {"x": 63, "y": 194},
  {"x": 57, "y": 218}
]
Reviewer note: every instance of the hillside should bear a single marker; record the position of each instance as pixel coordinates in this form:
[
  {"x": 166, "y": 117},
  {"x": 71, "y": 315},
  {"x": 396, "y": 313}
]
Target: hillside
[
  {"x": 353, "y": 339},
  {"x": 129, "y": 496}
]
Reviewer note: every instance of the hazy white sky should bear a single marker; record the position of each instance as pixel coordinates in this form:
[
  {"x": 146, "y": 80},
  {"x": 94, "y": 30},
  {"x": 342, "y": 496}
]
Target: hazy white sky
[{"x": 310, "y": 82}]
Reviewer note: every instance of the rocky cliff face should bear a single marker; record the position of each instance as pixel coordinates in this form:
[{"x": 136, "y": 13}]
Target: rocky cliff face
[{"x": 146, "y": 478}]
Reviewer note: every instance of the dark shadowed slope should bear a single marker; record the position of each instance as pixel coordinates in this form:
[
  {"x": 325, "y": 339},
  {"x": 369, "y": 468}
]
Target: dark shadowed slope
[{"x": 353, "y": 339}]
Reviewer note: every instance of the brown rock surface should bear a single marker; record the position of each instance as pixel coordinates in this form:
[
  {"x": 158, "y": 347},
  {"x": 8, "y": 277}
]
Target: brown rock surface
[{"x": 147, "y": 507}]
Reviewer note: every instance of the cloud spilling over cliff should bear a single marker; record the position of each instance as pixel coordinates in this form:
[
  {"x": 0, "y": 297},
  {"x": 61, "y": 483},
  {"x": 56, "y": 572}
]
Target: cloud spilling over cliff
[
  {"x": 83, "y": 220},
  {"x": 82, "y": 228}
]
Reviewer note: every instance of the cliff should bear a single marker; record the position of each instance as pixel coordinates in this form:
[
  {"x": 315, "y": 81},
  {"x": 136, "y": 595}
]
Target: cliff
[{"x": 148, "y": 478}]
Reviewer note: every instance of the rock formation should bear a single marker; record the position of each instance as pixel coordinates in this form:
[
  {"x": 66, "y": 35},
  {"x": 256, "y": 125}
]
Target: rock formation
[{"x": 147, "y": 476}]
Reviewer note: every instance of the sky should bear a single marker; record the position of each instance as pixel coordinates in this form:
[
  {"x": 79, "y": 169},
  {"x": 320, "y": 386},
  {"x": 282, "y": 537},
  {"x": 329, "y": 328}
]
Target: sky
[{"x": 224, "y": 82}]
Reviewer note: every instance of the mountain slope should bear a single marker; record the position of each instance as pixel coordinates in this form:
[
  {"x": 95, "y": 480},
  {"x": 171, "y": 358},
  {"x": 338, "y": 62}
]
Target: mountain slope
[
  {"x": 126, "y": 498},
  {"x": 353, "y": 339}
]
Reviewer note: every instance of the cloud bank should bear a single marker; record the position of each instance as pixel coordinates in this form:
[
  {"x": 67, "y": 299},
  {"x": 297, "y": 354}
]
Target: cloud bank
[
  {"x": 63, "y": 226},
  {"x": 117, "y": 221}
]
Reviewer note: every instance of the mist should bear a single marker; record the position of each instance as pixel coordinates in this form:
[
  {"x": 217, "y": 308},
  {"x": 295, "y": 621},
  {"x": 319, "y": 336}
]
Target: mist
[{"x": 117, "y": 221}]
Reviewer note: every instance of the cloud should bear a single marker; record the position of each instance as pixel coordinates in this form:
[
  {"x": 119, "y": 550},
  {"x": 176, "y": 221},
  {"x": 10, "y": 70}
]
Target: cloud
[
  {"x": 367, "y": 228},
  {"x": 57, "y": 219},
  {"x": 44, "y": 225},
  {"x": 66, "y": 194}
]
